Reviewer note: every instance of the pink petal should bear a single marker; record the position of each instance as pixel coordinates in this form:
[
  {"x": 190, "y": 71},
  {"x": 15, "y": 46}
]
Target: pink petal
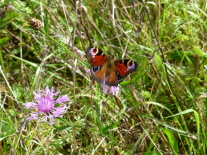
[
  {"x": 104, "y": 87},
  {"x": 114, "y": 90},
  {"x": 61, "y": 99},
  {"x": 30, "y": 105},
  {"x": 88, "y": 71},
  {"x": 34, "y": 115}
]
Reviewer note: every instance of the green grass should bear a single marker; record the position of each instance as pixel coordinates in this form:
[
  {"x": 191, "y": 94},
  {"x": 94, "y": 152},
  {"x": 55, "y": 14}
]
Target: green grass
[{"x": 160, "y": 108}]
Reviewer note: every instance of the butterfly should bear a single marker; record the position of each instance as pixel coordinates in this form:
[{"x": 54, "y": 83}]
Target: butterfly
[{"x": 106, "y": 69}]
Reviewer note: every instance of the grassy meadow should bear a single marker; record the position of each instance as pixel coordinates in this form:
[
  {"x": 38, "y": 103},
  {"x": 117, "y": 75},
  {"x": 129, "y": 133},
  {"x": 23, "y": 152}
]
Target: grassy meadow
[{"x": 160, "y": 108}]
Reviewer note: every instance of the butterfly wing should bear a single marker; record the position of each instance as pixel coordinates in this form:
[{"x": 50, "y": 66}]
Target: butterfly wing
[
  {"x": 98, "y": 60},
  {"x": 122, "y": 69},
  {"x": 95, "y": 56},
  {"x": 108, "y": 70},
  {"x": 114, "y": 71},
  {"x": 125, "y": 66}
]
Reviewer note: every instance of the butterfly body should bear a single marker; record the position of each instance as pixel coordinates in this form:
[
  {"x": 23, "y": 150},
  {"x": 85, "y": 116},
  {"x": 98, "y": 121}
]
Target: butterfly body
[{"x": 108, "y": 70}]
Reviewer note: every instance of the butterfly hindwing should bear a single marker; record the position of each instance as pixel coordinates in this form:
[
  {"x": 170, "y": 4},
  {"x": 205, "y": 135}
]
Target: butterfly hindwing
[{"x": 125, "y": 66}]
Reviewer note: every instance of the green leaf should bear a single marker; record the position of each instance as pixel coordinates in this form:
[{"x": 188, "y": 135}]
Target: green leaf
[
  {"x": 152, "y": 153},
  {"x": 68, "y": 127},
  {"x": 173, "y": 142},
  {"x": 4, "y": 41},
  {"x": 106, "y": 129},
  {"x": 5, "y": 23}
]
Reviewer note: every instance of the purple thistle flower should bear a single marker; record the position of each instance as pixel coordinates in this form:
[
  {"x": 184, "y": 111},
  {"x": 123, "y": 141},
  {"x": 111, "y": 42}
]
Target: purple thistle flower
[
  {"x": 114, "y": 90},
  {"x": 88, "y": 72},
  {"x": 47, "y": 104},
  {"x": 105, "y": 87}
]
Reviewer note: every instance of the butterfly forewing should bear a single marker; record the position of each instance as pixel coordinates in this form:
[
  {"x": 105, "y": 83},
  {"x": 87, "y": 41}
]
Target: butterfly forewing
[{"x": 96, "y": 57}]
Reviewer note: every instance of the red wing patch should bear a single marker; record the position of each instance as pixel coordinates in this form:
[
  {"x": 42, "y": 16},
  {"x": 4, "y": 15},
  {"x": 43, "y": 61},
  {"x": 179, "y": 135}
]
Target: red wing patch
[
  {"x": 106, "y": 69},
  {"x": 98, "y": 60},
  {"x": 122, "y": 69}
]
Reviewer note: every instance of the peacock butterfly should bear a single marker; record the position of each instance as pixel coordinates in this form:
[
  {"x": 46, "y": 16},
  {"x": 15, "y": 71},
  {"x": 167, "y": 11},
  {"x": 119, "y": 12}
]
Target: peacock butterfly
[{"x": 106, "y": 69}]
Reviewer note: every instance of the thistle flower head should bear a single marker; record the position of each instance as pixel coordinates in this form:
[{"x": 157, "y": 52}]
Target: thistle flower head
[
  {"x": 47, "y": 105},
  {"x": 114, "y": 90}
]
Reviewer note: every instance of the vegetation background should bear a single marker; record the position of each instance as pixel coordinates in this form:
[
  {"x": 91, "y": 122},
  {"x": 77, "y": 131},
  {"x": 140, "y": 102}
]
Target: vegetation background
[{"x": 160, "y": 109}]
